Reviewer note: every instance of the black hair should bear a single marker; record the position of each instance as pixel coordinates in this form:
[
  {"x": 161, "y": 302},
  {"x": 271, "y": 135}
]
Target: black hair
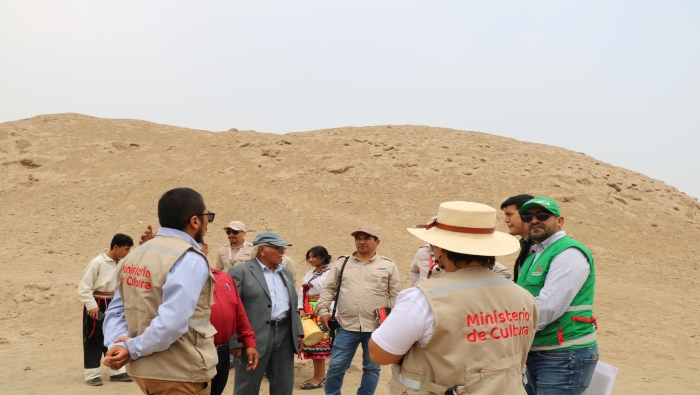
[
  {"x": 518, "y": 201},
  {"x": 320, "y": 253},
  {"x": 177, "y": 206},
  {"x": 485, "y": 260},
  {"x": 121, "y": 240}
]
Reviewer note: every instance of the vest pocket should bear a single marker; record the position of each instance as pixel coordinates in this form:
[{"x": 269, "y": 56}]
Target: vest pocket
[
  {"x": 228, "y": 297},
  {"x": 204, "y": 344},
  {"x": 377, "y": 278},
  {"x": 498, "y": 380},
  {"x": 534, "y": 279},
  {"x": 485, "y": 373},
  {"x": 549, "y": 335}
]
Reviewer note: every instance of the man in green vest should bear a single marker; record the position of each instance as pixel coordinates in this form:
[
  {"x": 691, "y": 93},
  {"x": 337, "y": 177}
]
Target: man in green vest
[{"x": 560, "y": 274}]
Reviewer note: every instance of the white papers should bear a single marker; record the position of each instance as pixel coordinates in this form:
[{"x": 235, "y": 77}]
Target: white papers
[{"x": 602, "y": 381}]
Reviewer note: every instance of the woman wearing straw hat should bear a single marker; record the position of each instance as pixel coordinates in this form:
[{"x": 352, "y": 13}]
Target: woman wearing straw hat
[
  {"x": 309, "y": 293},
  {"x": 468, "y": 330}
]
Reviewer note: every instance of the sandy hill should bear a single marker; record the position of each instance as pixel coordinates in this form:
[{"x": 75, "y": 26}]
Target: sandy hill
[{"x": 69, "y": 182}]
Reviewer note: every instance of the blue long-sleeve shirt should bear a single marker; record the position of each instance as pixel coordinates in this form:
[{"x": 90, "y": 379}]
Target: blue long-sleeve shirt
[{"x": 180, "y": 294}]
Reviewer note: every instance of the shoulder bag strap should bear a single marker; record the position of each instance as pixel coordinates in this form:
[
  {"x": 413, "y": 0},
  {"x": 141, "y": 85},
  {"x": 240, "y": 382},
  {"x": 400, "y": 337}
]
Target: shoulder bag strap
[{"x": 337, "y": 290}]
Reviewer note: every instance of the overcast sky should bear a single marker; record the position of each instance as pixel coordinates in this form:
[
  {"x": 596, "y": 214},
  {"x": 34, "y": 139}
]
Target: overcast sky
[{"x": 619, "y": 81}]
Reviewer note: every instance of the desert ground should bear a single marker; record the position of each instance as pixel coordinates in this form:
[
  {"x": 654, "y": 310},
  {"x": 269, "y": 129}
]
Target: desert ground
[{"x": 70, "y": 182}]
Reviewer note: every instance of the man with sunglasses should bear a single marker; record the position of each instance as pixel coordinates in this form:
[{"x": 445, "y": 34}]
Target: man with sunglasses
[
  {"x": 560, "y": 274},
  {"x": 237, "y": 250},
  {"x": 268, "y": 293},
  {"x": 159, "y": 317}
]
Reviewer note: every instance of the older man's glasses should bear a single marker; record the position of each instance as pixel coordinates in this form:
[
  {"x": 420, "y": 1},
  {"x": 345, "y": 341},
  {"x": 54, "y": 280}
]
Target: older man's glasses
[
  {"x": 280, "y": 249},
  {"x": 210, "y": 216},
  {"x": 541, "y": 216},
  {"x": 234, "y": 231}
]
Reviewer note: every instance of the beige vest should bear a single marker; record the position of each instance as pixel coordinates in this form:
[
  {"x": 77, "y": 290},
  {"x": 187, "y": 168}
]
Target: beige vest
[
  {"x": 484, "y": 326},
  {"x": 192, "y": 357}
]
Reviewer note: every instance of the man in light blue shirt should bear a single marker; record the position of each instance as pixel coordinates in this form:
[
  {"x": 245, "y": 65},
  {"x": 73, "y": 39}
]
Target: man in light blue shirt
[
  {"x": 268, "y": 293},
  {"x": 180, "y": 294},
  {"x": 278, "y": 291},
  {"x": 159, "y": 317}
]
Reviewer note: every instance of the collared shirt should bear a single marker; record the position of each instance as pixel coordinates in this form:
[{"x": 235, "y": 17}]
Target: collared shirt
[
  {"x": 98, "y": 276},
  {"x": 180, "y": 294},
  {"x": 278, "y": 291},
  {"x": 229, "y": 256},
  {"x": 501, "y": 270},
  {"x": 567, "y": 274},
  {"x": 366, "y": 286},
  {"x": 420, "y": 266}
]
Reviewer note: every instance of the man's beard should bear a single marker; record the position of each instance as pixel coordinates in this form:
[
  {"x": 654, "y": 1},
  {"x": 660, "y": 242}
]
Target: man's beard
[
  {"x": 541, "y": 237},
  {"x": 199, "y": 237}
]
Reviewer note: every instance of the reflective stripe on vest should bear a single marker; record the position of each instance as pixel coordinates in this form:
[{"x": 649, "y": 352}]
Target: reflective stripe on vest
[
  {"x": 414, "y": 384},
  {"x": 567, "y": 343},
  {"x": 481, "y": 282},
  {"x": 427, "y": 386},
  {"x": 160, "y": 248},
  {"x": 197, "y": 321},
  {"x": 583, "y": 307}
]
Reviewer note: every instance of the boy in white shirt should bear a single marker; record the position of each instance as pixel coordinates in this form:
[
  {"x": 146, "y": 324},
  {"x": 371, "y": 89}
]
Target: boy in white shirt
[{"x": 95, "y": 291}]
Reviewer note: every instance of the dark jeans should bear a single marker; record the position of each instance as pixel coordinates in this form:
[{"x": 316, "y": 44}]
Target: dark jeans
[
  {"x": 343, "y": 350},
  {"x": 218, "y": 383},
  {"x": 560, "y": 372}
]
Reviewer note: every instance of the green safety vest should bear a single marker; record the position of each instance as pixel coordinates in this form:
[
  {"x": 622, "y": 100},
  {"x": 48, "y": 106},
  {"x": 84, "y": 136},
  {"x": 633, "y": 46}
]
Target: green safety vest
[{"x": 574, "y": 328}]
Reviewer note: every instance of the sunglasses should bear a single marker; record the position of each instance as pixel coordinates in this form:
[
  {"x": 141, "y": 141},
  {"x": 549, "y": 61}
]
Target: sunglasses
[
  {"x": 235, "y": 232},
  {"x": 210, "y": 216},
  {"x": 541, "y": 216}
]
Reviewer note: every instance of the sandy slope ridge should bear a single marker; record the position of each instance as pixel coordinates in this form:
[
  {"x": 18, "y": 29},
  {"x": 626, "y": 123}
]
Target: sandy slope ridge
[{"x": 69, "y": 182}]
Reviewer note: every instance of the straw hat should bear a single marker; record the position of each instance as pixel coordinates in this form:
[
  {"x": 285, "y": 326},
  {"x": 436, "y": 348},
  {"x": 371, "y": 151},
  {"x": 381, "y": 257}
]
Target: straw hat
[{"x": 467, "y": 228}]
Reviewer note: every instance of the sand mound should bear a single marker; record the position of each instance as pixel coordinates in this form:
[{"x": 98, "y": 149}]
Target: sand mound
[{"x": 69, "y": 182}]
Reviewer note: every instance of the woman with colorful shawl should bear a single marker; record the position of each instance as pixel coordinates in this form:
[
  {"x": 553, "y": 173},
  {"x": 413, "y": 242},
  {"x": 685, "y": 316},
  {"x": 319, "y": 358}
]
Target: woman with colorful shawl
[{"x": 309, "y": 293}]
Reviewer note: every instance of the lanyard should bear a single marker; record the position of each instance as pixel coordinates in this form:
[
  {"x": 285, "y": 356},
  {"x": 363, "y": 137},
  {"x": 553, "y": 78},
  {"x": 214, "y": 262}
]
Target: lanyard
[{"x": 230, "y": 253}]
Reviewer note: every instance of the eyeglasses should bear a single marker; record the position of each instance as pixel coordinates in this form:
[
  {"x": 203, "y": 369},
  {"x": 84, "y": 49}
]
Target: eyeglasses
[
  {"x": 234, "y": 231},
  {"x": 281, "y": 250},
  {"x": 210, "y": 215},
  {"x": 541, "y": 216}
]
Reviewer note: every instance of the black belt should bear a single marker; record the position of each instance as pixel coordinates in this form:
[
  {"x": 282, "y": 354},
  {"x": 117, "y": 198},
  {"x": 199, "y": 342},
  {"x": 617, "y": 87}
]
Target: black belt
[
  {"x": 278, "y": 322},
  {"x": 222, "y": 347}
]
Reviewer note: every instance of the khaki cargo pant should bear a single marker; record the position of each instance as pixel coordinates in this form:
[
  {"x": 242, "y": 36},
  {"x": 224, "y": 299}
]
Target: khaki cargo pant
[{"x": 163, "y": 387}]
